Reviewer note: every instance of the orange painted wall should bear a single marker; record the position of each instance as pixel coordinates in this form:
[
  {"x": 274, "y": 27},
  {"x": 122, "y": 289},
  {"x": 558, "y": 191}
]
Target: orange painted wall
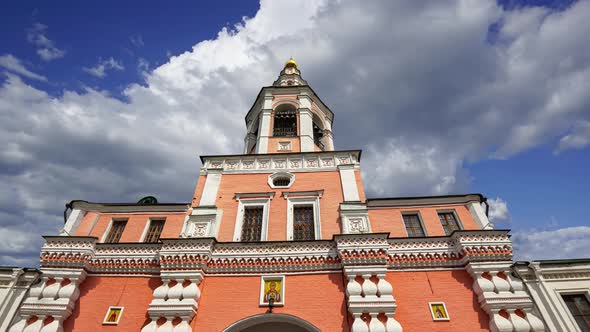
[
  {"x": 277, "y": 227},
  {"x": 98, "y": 293},
  {"x": 199, "y": 190},
  {"x": 86, "y": 224},
  {"x": 136, "y": 224},
  {"x": 413, "y": 291},
  {"x": 390, "y": 219},
  {"x": 273, "y": 144},
  {"x": 317, "y": 298}
]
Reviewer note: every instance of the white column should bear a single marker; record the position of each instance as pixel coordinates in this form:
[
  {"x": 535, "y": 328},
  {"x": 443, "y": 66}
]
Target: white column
[
  {"x": 306, "y": 124},
  {"x": 264, "y": 126},
  {"x": 348, "y": 179},
  {"x": 329, "y": 137},
  {"x": 211, "y": 186}
]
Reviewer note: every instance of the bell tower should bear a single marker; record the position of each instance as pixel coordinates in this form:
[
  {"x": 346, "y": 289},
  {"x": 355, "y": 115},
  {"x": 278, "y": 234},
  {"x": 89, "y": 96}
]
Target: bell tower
[{"x": 288, "y": 116}]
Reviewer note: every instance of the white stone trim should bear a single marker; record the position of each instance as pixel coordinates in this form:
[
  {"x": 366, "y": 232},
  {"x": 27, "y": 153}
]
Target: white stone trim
[
  {"x": 454, "y": 212},
  {"x": 354, "y": 219},
  {"x": 281, "y": 162},
  {"x": 420, "y": 220},
  {"x": 306, "y": 127},
  {"x": 264, "y": 127},
  {"x": 265, "y": 318},
  {"x": 243, "y": 203},
  {"x": 147, "y": 226},
  {"x": 109, "y": 226},
  {"x": 104, "y": 321},
  {"x": 263, "y": 278},
  {"x": 211, "y": 187},
  {"x": 348, "y": 180},
  {"x": 313, "y": 201}
]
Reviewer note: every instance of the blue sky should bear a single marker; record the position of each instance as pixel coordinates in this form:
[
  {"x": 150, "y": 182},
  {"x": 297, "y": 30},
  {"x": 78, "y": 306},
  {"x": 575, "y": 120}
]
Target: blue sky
[{"x": 109, "y": 103}]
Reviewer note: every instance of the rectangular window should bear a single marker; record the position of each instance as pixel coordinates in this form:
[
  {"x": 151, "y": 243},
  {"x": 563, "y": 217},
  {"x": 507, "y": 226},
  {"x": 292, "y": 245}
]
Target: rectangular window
[
  {"x": 303, "y": 224},
  {"x": 252, "y": 224},
  {"x": 154, "y": 231},
  {"x": 579, "y": 307},
  {"x": 116, "y": 230},
  {"x": 448, "y": 222},
  {"x": 413, "y": 225}
]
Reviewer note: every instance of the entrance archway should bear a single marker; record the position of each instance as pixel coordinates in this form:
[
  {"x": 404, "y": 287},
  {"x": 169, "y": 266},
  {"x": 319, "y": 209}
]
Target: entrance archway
[{"x": 271, "y": 323}]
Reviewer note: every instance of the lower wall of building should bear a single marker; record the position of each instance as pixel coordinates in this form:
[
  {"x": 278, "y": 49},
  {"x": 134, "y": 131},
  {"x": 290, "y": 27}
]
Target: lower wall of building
[
  {"x": 98, "y": 293},
  {"x": 317, "y": 298},
  {"x": 413, "y": 291}
]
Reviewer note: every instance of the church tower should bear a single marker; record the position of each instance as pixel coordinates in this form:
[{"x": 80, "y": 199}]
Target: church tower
[{"x": 288, "y": 116}]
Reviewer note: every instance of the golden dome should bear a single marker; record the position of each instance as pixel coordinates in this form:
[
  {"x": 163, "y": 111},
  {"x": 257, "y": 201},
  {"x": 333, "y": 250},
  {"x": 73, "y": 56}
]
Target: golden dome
[{"x": 291, "y": 63}]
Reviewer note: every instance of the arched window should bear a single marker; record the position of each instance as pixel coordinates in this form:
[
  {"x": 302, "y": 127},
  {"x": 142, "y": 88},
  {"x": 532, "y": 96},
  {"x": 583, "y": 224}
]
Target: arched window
[
  {"x": 285, "y": 121},
  {"x": 318, "y": 135},
  {"x": 281, "y": 180}
]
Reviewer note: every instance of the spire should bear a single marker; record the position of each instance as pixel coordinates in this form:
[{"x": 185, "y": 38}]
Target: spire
[{"x": 290, "y": 75}]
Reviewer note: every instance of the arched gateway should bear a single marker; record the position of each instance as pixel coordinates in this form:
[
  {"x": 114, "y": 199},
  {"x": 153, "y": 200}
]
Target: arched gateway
[{"x": 272, "y": 322}]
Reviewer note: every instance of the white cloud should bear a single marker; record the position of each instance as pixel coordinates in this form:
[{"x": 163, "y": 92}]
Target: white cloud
[
  {"x": 498, "y": 210},
  {"x": 578, "y": 138},
  {"x": 46, "y": 49},
  {"x": 137, "y": 40},
  {"x": 416, "y": 85},
  {"x": 100, "y": 69},
  {"x": 568, "y": 242},
  {"x": 11, "y": 63}
]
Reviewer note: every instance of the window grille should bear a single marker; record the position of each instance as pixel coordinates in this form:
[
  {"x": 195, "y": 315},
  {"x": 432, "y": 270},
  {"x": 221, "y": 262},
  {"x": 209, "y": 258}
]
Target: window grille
[
  {"x": 448, "y": 222},
  {"x": 285, "y": 123},
  {"x": 579, "y": 307},
  {"x": 154, "y": 231},
  {"x": 413, "y": 225},
  {"x": 303, "y": 224},
  {"x": 252, "y": 223},
  {"x": 116, "y": 231},
  {"x": 281, "y": 181}
]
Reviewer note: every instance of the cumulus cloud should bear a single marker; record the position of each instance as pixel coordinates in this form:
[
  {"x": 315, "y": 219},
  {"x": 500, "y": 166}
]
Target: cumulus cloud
[
  {"x": 100, "y": 69},
  {"x": 46, "y": 49},
  {"x": 498, "y": 210},
  {"x": 417, "y": 85},
  {"x": 568, "y": 242},
  {"x": 12, "y": 64}
]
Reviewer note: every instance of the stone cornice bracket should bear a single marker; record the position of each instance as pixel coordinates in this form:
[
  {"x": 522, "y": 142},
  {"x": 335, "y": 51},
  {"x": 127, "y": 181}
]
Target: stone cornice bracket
[
  {"x": 182, "y": 269},
  {"x": 64, "y": 261},
  {"x": 369, "y": 294},
  {"x": 503, "y": 298}
]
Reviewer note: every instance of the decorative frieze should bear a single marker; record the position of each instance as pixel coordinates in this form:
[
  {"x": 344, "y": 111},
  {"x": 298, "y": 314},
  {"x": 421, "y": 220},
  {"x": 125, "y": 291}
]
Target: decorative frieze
[{"x": 293, "y": 162}]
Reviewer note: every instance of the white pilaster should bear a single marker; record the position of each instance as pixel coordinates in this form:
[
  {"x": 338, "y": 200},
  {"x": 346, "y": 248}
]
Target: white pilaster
[
  {"x": 479, "y": 215},
  {"x": 73, "y": 222},
  {"x": 211, "y": 186},
  {"x": 348, "y": 180},
  {"x": 264, "y": 126},
  {"x": 306, "y": 124}
]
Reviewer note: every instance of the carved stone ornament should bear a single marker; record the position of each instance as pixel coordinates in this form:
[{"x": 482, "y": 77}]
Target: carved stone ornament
[{"x": 357, "y": 225}]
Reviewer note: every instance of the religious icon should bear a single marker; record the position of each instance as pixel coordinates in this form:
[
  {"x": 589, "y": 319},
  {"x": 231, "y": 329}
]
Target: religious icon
[
  {"x": 438, "y": 311},
  {"x": 272, "y": 287},
  {"x": 113, "y": 315}
]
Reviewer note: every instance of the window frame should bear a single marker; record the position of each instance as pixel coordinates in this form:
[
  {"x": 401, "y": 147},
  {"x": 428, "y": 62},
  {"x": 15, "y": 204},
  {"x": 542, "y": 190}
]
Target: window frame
[
  {"x": 148, "y": 224},
  {"x": 454, "y": 212},
  {"x": 107, "y": 231},
  {"x": 314, "y": 201},
  {"x": 246, "y": 202},
  {"x": 571, "y": 291},
  {"x": 420, "y": 221},
  {"x": 273, "y": 176}
]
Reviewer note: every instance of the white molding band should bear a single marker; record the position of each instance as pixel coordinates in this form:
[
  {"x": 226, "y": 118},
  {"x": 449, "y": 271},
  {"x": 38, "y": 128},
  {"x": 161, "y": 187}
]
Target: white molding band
[{"x": 281, "y": 162}]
